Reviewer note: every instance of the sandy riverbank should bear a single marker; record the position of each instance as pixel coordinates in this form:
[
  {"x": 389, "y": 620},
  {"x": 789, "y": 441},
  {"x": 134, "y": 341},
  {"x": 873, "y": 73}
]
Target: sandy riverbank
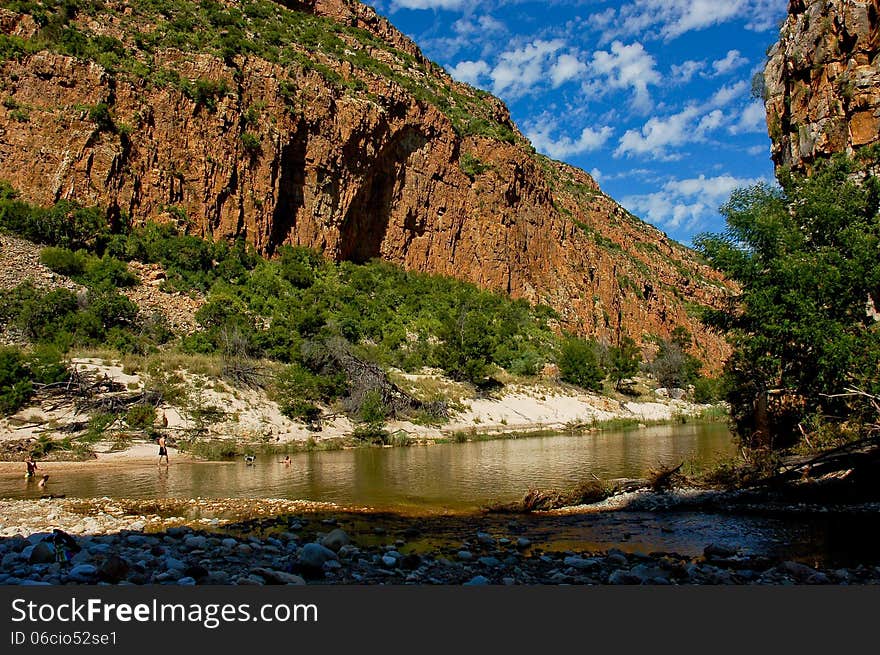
[{"x": 250, "y": 418}]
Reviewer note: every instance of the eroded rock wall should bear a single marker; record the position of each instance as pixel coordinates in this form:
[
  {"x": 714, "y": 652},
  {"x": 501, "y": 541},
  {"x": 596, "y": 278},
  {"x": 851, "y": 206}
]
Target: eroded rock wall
[
  {"x": 284, "y": 156},
  {"x": 822, "y": 81}
]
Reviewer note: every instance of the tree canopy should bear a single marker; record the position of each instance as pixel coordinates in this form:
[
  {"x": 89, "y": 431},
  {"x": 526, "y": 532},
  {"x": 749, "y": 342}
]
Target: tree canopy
[{"x": 805, "y": 326}]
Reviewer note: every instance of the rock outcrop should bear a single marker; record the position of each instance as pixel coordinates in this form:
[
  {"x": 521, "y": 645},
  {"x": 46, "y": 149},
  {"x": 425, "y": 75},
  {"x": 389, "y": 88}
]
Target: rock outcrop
[
  {"x": 336, "y": 134},
  {"x": 822, "y": 81}
]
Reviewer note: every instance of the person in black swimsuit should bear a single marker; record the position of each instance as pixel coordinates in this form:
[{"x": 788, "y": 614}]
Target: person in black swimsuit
[{"x": 163, "y": 451}]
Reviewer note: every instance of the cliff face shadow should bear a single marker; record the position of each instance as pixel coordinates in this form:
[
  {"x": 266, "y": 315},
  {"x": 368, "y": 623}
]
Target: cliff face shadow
[
  {"x": 291, "y": 184},
  {"x": 366, "y": 222}
]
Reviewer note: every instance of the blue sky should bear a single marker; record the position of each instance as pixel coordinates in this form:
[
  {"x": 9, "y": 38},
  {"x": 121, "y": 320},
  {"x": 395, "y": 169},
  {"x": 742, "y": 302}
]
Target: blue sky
[{"x": 653, "y": 97}]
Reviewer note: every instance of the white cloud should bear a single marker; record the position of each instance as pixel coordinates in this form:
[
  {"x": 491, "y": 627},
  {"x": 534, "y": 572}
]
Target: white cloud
[
  {"x": 627, "y": 67},
  {"x": 429, "y": 4},
  {"x": 684, "y": 72},
  {"x": 753, "y": 119},
  {"x": 520, "y": 70},
  {"x": 565, "y": 146},
  {"x": 668, "y": 19},
  {"x": 469, "y": 71},
  {"x": 692, "y": 124},
  {"x": 687, "y": 202},
  {"x": 728, "y": 63},
  {"x": 657, "y": 135},
  {"x": 479, "y": 26},
  {"x": 728, "y": 93},
  {"x": 711, "y": 121},
  {"x": 567, "y": 67}
]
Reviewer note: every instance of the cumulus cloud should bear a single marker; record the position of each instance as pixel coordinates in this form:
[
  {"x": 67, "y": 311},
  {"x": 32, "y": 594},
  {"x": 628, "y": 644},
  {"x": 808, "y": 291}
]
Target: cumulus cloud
[
  {"x": 753, "y": 119},
  {"x": 684, "y": 72},
  {"x": 626, "y": 67},
  {"x": 565, "y": 146},
  {"x": 668, "y": 19},
  {"x": 686, "y": 202},
  {"x": 660, "y": 134},
  {"x": 469, "y": 71},
  {"x": 429, "y": 4},
  {"x": 566, "y": 68},
  {"x": 730, "y": 62},
  {"x": 521, "y": 69},
  {"x": 727, "y": 93}
]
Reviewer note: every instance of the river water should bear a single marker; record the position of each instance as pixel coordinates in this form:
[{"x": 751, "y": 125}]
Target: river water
[
  {"x": 439, "y": 486},
  {"x": 423, "y": 479}
]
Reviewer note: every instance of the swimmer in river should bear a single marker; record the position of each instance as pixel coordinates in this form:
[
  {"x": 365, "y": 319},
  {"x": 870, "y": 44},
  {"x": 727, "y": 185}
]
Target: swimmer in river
[
  {"x": 43, "y": 481},
  {"x": 31, "y": 468},
  {"x": 163, "y": 451},
  {"x": 285, "y": 461}
]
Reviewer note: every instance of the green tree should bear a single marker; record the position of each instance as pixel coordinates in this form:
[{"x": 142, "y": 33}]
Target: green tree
[
  {"x": 624, "y": 360},
  {"x": 579, "y": 365},
  {"x": 805, "y": 326}
]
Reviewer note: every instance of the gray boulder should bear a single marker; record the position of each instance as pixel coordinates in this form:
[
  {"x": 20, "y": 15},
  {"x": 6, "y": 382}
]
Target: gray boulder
[
  {"x": 313, "y": 556},
  {"x": 335, "y": 540},
  {"x": 42, "y": 553}
]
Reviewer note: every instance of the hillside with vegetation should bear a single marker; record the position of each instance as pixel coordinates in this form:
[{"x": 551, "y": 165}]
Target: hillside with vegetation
[
  {"x": 317, "y": 124},
  {"x": 319, "y": 338}
]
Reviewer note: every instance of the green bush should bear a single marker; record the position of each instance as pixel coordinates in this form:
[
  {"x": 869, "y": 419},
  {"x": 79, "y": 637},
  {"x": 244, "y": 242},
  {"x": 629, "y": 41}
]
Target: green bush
[
  {"x": 373, "y": 409},
  {"x": 140, "y": 417},
  {"x": 20, "y": 371},
  {"x": 64, "y": 261},
  {"x": 708, "y": 390},
  {"x": 579, "y": 365},
  {"x": 66, "y": 224},
  {"x": 15, "y": 384},
  {"x": 373, "y": 433},
  {"x": 251, "y": 144},
  {"x": 100, "y": 115},
  {"x": 108, "y": 271}
]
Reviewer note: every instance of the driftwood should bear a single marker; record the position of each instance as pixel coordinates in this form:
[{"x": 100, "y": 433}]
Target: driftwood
[
  {"x": 663, "y": 478},
  {"x": 827, "y": 463},
  {"x": 365, "y": 377},
  {"x": 91, "y": 392}
]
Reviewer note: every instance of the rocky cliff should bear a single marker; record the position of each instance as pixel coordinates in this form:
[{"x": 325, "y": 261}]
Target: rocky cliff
[
  {"x": 822, "y": 81},
  {"x": 317, "y": 123}
]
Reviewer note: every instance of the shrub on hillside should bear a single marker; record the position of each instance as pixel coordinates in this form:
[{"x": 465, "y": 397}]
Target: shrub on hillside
[{"x": 579, "y": 365}]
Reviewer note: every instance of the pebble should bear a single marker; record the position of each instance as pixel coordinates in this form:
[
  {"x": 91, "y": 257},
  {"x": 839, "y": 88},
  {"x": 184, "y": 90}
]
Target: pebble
[
  {"x": 477, "y": 581},
  {"x": 83, "y": 572}
]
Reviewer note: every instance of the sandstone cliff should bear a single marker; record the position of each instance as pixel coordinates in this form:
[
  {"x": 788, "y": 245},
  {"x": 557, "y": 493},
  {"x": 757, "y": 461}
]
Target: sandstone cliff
[
  {"x": 317, "y": 123},
  {"x": 822, "y": 81}
]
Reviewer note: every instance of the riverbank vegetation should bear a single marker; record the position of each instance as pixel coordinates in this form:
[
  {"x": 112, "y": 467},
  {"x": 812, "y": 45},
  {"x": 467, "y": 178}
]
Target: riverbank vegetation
[
  {"x": 319, "y": 336},
  {"x": 804, "y": 377}
]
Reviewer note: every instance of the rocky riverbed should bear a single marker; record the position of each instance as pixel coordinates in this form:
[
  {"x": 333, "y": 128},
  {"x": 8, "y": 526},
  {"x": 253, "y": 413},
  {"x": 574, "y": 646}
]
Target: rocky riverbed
[{"x": 205, "y": 542}]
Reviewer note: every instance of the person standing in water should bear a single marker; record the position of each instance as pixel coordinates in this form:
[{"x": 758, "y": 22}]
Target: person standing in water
[
  {"x": 31, "y": 468},
  {"x": 163, "y": 450}
]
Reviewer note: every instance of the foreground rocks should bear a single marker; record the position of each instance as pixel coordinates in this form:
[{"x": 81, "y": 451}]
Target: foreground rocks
[{"x": 292, "y": 550}]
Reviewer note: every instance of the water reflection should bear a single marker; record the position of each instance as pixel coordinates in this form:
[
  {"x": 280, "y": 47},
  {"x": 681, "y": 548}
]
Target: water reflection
[{"x": 446, "y": 476}]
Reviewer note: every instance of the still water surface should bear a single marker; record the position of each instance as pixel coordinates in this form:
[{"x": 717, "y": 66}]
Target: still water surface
[{"x": 421, "y": 478}]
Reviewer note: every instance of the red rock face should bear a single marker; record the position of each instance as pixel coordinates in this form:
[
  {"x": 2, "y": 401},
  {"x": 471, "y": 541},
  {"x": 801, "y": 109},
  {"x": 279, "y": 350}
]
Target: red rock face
[
  {"x": 822, "y": 81},
  {"x": 357, "y": 175}
]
